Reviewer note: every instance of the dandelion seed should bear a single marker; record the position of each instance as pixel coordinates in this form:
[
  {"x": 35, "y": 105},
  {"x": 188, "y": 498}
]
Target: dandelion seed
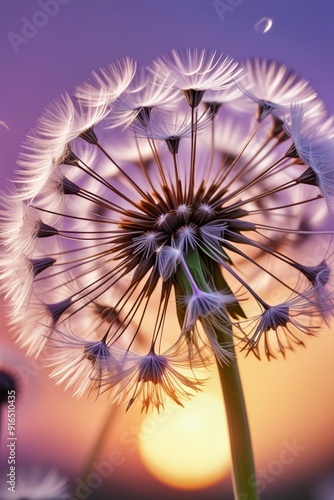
[
  {"x": 37, "y": 482},
  {"x": 164, "y": 193},
  {"x": 195, "y": 71},
  {"x": 4, "y": 124},
  {"x": 286, "y": 320},
  {"x": 263, "y": 25},
  {"x": 273, "y": 86},
  {"x": 313, "y": 145},
  {"x": 106, "y": 85},
  {"x": 152, "y": 377},
  {"x": 145, "y": 94},
  {"x": 71, "y": 352}
]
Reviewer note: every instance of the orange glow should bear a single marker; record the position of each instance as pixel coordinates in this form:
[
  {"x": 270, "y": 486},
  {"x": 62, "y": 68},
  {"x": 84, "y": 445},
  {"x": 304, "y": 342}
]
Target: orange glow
[{"x": 187, "y": 448}]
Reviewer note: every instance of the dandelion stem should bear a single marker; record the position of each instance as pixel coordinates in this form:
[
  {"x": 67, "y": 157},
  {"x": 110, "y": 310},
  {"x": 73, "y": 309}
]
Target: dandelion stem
[
  {"x": 244, "y": 483},
  {"x": 240, "y": 441}
]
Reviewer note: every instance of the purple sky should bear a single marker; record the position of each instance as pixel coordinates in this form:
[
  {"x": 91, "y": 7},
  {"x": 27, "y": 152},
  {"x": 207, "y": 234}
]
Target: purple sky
[{"x": 84, "y": 35}]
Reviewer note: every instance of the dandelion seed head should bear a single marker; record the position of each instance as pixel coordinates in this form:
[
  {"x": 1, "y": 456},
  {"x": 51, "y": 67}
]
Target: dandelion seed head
[{"x": 149, "y": 207}]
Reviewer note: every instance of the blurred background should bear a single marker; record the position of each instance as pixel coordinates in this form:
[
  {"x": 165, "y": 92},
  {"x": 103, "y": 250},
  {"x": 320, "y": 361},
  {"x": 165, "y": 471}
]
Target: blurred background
[{"x": 50, "y": 47}]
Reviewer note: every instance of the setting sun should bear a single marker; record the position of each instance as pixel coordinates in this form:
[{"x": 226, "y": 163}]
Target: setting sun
[{"x": 187, "y": 448}]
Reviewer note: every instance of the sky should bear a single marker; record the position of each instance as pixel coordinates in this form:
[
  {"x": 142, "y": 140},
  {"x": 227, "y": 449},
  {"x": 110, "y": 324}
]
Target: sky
[{"x": 47, "y": 47}]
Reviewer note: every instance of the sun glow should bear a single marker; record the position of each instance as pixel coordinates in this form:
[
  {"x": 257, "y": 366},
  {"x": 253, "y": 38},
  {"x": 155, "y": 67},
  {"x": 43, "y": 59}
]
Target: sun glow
[{"x": 187, "y": 448}]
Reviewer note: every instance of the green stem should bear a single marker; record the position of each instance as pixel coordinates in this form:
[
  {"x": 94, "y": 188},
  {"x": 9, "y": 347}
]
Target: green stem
[
  {"x": 203, "y": 271},
  {"x": 244, "y": 479}
]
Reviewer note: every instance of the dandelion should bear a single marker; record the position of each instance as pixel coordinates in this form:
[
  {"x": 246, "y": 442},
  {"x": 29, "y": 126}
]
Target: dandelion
[
  {"x": 36, "y": 482},
  {"x": 155, "y": 219},
  {"x": 8, "y": 385}
]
